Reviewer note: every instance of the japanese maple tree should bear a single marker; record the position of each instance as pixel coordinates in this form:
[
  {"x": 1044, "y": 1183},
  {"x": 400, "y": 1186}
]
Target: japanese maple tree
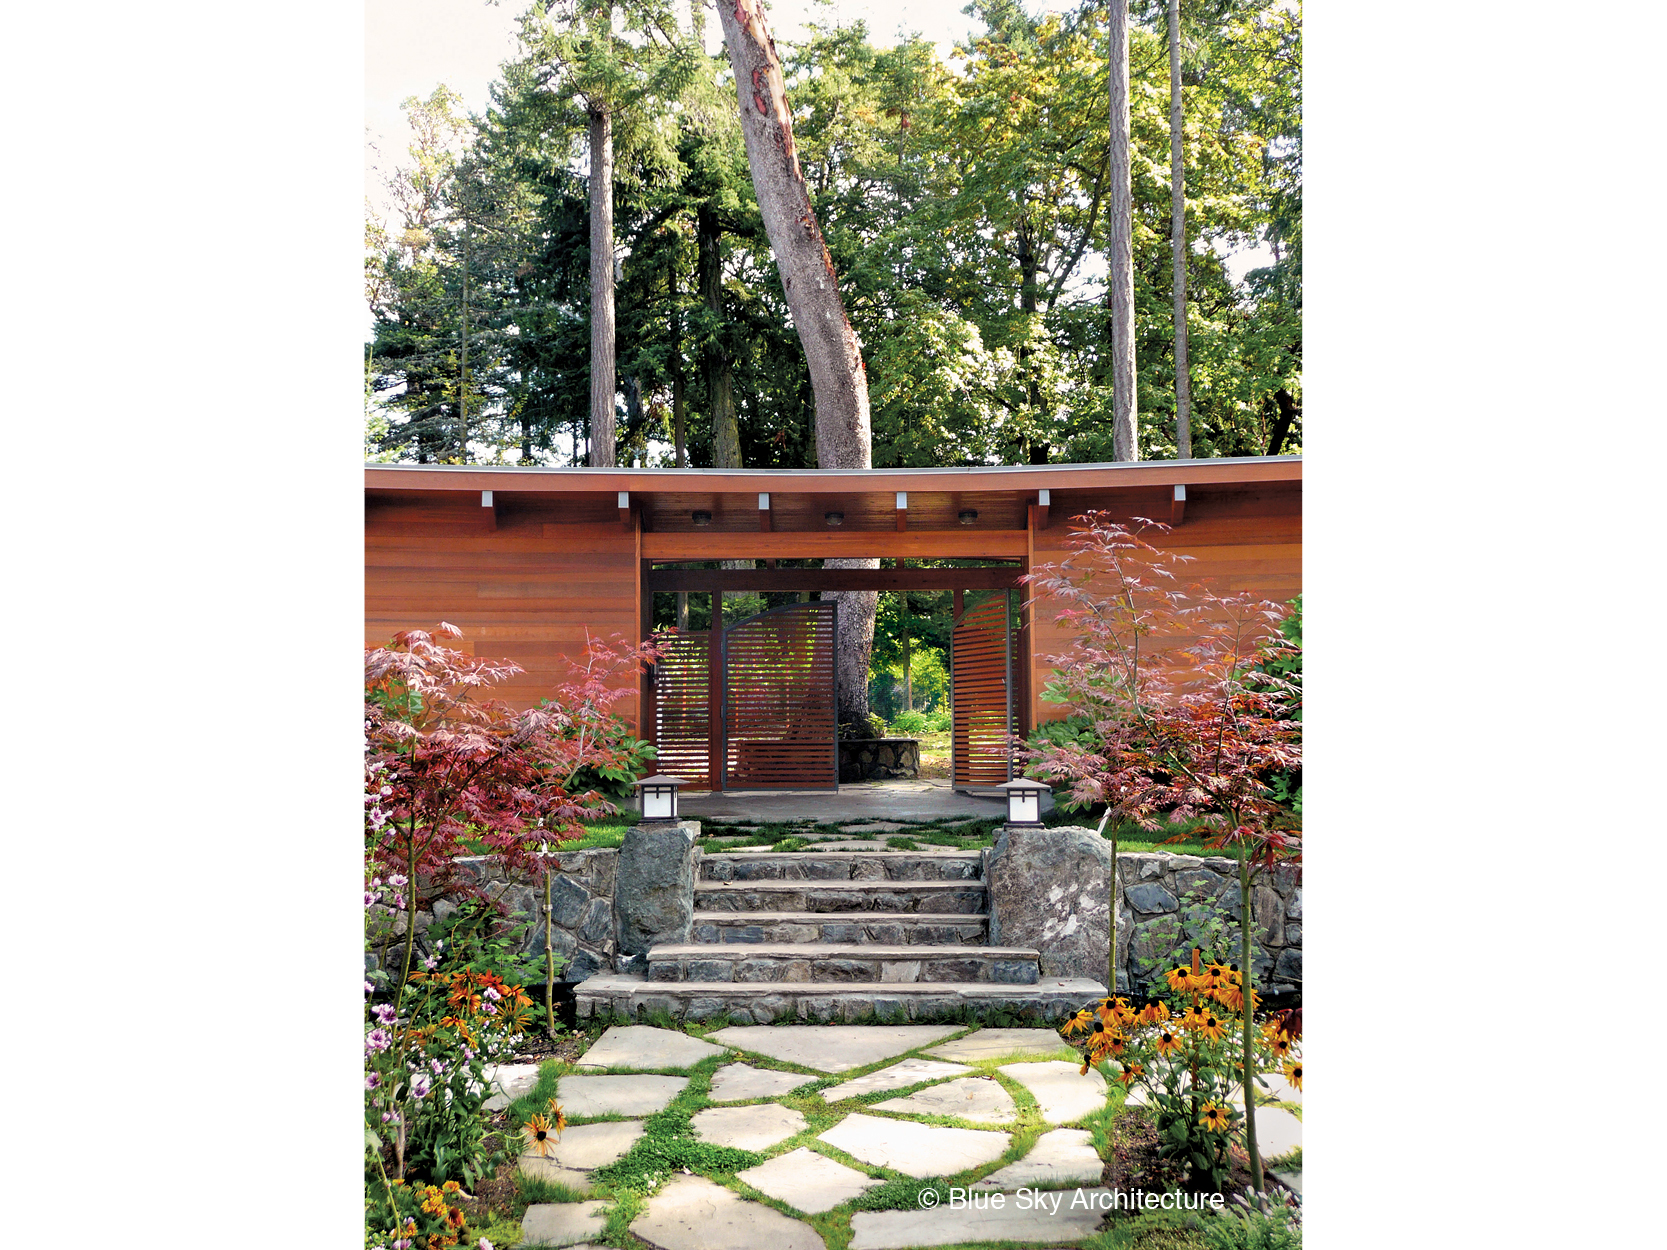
[
  {"x": 1183, "y": 728},
  {"x": 445, "y": 762}
]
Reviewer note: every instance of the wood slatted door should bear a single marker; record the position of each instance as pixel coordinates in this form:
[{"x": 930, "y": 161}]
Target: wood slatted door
[
  {"x": 981, "y": 660},
  {"x": 781, "y": 727},
  {"x": 684, "y": 718}
]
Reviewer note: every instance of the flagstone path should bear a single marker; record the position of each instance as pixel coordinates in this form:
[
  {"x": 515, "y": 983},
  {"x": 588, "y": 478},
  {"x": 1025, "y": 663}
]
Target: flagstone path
[{"x": 628, "y": 1072}]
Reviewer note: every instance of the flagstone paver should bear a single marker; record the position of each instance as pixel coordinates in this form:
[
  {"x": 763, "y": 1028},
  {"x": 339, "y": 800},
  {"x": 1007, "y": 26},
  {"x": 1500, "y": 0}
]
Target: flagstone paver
[
  {"x": 562, "y": 1223},
  {"x": 835, "y": 1047},
  {"x": 811, "y": 1182},
  {"x": 757, "y": 1127},
  {"x": 581, "y": 1148},
  {"x": 994, "y": 1043},
  {"x": 918, "y": 1150},
  {"x": 693, "y": 1213},
  {"x": 1277, "y": 1131},
  {"x": 640, "y": 1046},
  {"x": 977, "y": 1098},
  {"x": 1060, "y": 1216},
  {"x": 738, "y": 1082},
  {"x": 617, "y": 1095},
  {"x": 1065, "y": 1156},
  {"x": 1062, "y": 1090},
  {"x": 509, "y": 1081},
  {"x": 906, "y": 1072}
]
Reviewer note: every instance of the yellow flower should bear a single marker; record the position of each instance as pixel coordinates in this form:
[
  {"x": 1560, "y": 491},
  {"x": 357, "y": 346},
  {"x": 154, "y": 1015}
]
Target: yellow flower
[
  {"x": 1154, "y": 1013},
  {"x": 1193, "y": 1017},
  {"x": 1211, "y": 1028},
  {"x": 1293, "y": 1074},
  {"x": 1215, "y": 1117},
  {"x": 1180, "y": 979},
  {"x": 1280, "y": 1044},
  {"x": 1167, "y": 1042},
  {"x": 541, "y": 1134},
  {"x": 1077, "y": 1023},
  {"x": 1130, "y": 1072}
]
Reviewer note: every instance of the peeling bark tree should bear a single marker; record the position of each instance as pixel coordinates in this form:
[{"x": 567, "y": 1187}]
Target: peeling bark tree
[
  {"x": 1120, "y": 297},
  {"x": 837, "y": 377}
]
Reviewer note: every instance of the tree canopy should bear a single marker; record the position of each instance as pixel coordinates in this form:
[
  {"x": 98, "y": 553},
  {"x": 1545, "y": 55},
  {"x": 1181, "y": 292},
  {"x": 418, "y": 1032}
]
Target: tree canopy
[{"x": 964, "y": 205}]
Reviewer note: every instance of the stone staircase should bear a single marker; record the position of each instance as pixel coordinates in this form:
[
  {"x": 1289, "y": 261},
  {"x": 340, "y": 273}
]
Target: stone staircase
[{"x": 836, "y": 936}]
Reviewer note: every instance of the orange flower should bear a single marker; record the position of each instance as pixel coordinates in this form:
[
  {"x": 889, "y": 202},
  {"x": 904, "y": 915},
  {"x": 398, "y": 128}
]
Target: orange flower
[
  {"x": 1211, "y": 1028},
  {"x": 1154, "y": 1013},
  {"x": 1130, "y": 1072},
  {"x": 1077, "y": 1023},
  {"x": 1215, "y": 1117},
  {"x": 1293, "y": 1074},
  {"x": 1167, "y": 1042}
]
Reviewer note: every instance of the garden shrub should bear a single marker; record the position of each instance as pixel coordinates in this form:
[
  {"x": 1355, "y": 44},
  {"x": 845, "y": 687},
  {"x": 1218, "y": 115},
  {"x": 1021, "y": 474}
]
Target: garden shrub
[
  {"x": 908, "y": 724},
  {"x": 1256, "y": 1221}
]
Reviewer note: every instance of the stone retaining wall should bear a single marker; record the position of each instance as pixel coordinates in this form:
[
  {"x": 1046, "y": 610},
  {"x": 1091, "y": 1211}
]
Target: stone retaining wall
[
  {"x": 1153, "y": 888},
  {"x": 878, "y": 759},
  {"x": 581, "y": 910}
]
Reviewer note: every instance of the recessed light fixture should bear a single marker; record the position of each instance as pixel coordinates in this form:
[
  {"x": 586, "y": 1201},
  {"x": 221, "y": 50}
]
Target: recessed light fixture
[
  {"x": 834, "y": 518},
  {"x": 968, "y": 516},
  {"x": 702, "y": 518}
]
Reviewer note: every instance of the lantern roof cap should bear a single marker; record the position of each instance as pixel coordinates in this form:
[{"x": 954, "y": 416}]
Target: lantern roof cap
[
  {"x": 1023, "y": 783},
  {"x": 661, "y": 779}
]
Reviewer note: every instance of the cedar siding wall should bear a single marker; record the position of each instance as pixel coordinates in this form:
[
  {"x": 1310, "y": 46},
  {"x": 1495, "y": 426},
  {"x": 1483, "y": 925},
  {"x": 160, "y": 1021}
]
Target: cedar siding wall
[
  {"x": 524, "y": 591},
  {"x": 1240, "y": 538}
]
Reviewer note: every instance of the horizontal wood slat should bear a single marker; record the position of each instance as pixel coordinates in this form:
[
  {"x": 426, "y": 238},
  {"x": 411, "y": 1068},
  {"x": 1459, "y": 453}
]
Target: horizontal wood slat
[
  {"x": 980, "y": 721},
  {"x": 701, "y": 581},
  {"x": 780, "y": 722},
  {"x": 683, "y": 709}
]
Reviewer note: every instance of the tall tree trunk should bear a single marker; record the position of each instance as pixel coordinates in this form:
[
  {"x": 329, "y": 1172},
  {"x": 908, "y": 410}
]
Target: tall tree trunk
[
  {"x": 837, "y": 376},
  {"x": 1028, "y": 267},
  {"x": 720, "y": 392},
  {"x": 1120, "y": 221},
  {"x": 602, "y": 284},
  {"x": 1289, "y": 411},
  {"x": 463, "y": 362},
  {"x": 1178, "y": 237},
  {"x": 676, "y": 370}
]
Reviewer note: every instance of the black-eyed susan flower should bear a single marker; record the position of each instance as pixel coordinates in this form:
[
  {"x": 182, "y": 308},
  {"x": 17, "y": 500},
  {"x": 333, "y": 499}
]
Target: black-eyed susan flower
[
  {"x": 1154, "y": 1013},
  {"x": 1293, "y": 1074},
  {"x": 542, "y": 1133},
  {"x": 1217, "y": 975},
  {"x": 1280, "y": 1045},
  {"x": 1167, "y": 1043},
  {"x": 1210, "y": 1026},
  {"x": 1077, "y": 1023},
  {"x": 1215, "y": 1117},
  {"x": 1180, "y": 979},
  {"x": 1131, "y": 1072},
  {"x": 1192, "y": 1018}
]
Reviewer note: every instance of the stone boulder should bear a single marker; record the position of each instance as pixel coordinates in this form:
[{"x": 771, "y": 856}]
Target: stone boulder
[
  {"x": 654, "y": 889},
  {"x": 1050, "y": 890}
]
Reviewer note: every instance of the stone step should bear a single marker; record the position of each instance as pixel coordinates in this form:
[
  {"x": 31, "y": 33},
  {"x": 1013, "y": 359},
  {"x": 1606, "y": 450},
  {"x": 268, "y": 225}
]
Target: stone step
[
  {"x": 892, "y": 928},
  {"x": 841, "y": 962},
  {"x": 962, "y": 897},
  {"x": 944, "y": 865},
  {"x": 619, "y": 994}
]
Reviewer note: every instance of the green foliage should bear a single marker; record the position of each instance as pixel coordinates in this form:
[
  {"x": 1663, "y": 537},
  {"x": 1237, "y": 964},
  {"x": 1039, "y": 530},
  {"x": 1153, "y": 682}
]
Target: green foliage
[
  {"x": 964, "y": 207},
  {"x": 1256, "y": 1222},
  {"x": 1169, "y": 940},
  {"x": 628, "y": 758}
]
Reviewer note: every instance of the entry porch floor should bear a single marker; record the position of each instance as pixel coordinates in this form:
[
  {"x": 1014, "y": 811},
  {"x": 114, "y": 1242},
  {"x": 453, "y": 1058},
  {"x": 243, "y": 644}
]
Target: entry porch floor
[{"x": 902, "y": 800}]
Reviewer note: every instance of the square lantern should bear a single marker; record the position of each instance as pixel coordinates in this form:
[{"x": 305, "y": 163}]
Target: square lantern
[
  {"x": 1024, "y": 801},
  {"x": 657, "y": 798}
]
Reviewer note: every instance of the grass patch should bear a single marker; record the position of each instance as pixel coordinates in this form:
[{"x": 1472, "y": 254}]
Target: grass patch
[{"x": 534, "y": 1189}]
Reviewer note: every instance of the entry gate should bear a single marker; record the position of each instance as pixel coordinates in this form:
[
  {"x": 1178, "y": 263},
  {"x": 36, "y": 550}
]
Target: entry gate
[
  {"x": 762, "y": 714},
  {"x": 981, "y": 696}
]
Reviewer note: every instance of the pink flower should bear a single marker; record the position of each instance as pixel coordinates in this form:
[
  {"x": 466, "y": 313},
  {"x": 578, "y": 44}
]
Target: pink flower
[{"x": 377, "y": 1040}]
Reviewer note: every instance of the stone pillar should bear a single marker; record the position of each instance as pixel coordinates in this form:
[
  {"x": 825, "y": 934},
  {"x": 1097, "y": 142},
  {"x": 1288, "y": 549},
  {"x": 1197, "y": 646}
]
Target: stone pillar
[
  {"x": 1050, "y": 890},
  {"x": 654, "y": 889}
]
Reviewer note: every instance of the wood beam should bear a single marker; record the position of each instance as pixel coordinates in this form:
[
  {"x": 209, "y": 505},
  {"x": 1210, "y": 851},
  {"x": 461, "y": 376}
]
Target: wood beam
[
  {"x": 902, "y": 511},
  {"x": 965, "y": 544},
  {"x": 754, "y": 580},
  {"x": 1178, "y": 506}
]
